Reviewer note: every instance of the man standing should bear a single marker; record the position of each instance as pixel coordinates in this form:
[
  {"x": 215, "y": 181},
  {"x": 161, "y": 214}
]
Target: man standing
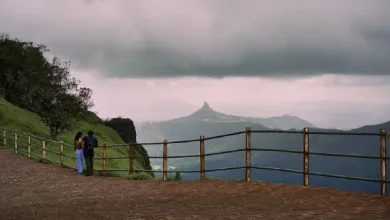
[{"x": 90, "y": 142}]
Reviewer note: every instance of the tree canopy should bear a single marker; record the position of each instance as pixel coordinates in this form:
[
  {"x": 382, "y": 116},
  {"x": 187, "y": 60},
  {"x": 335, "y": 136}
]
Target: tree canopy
[{"x": 29, "y": 80}]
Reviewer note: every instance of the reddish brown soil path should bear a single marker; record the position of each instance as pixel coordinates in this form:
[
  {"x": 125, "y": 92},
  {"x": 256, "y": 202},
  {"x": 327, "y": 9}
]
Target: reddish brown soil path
[{"x": 31, "y": 190}]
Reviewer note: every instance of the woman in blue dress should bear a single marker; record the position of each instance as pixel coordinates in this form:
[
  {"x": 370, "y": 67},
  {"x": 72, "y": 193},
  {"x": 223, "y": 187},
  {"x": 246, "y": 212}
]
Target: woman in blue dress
[{"x": 78, "y": 147}]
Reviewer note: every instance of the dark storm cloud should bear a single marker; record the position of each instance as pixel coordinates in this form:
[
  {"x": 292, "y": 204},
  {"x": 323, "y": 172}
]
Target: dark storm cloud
[{"x": 210, "y": 38}]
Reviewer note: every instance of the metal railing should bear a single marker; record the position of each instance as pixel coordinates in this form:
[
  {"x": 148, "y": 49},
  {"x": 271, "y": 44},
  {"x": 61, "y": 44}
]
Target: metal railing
[
  {"x": 202, "y": 155},
  {"x": 32, "y": 146}
]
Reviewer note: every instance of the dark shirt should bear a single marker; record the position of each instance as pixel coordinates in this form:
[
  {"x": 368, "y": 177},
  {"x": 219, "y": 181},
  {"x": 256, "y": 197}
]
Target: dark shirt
[{"x": 90, "y": 142}]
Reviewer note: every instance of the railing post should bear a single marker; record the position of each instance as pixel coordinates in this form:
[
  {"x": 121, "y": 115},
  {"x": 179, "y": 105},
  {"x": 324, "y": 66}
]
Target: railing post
[
  {"x": 29, "y": 146},
  {"x": 62, "y": 153},
  {"x": 165, "y": 162},
  {"x": 5, "y": 137},
  {"x": 248, "y": 154},
  {"x": 202, "y": 159},
  {"x": 104, "y": 159},
  {"x": 306, "y": 156},
  {"x": 131, "y": 160},
  {"x": 43, "y": 150},
  {"x": 16, "y": 141},
  {"x": 383, "y": 158}
]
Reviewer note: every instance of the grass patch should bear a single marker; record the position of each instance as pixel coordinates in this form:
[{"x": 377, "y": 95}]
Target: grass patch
[
  {"x": 142, "y": 176},
  {"x": 211, "y": 178},
  {"x": 136, "y": 176},
  {"x": 13, "y": 117}
]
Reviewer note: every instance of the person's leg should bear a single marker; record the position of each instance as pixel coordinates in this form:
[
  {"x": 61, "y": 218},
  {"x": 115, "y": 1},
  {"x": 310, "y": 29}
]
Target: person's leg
[
  {"x": 91, "y": 165},
  {"x": 79, "y": 161},
  {"x": 88, "y": 163},
  {"x": 82, "y": 160}
]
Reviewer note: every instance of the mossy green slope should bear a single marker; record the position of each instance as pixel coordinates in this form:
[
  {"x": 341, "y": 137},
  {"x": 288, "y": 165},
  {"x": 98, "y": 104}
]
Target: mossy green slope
[{"x": 13, "y": 117}]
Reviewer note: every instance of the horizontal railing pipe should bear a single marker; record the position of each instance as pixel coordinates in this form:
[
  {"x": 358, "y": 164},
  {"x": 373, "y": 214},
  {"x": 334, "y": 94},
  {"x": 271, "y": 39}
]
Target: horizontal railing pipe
[{"x": 15, "y": 141}]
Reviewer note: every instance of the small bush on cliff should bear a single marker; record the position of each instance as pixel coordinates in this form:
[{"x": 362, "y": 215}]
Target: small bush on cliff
[
  {"x": 142, "y": 176},
  {"x": 177, "y": 176}
]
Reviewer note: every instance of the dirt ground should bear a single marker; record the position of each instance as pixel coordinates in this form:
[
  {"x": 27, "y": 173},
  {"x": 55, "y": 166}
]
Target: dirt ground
[{"x": 32, "y": 190}]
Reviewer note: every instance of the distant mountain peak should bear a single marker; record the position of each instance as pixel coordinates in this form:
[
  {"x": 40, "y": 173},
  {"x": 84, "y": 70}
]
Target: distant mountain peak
[
  {"x": 205, "y": 112},
  {"x": 206, "y": 106}
]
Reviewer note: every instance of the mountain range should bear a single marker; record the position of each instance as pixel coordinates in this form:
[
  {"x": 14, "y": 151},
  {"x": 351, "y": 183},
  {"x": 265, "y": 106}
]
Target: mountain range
[
  {"x": 208, "y": 122},
  {"x": 207, "y": 114}
]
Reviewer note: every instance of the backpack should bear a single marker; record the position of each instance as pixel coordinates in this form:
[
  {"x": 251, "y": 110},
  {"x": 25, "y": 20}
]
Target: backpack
[{"x": 90, "y": 142}]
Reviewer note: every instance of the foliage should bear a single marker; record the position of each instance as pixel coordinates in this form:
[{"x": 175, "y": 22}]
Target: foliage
[
  {"x": 177, "y": 176},
  {"x": 1, "y": 141},
  {"x": 211, "y": 178},
  {"x": 56, "y": 105},
  {"x": 91, "y": 117},
  {"x": 142, "y": 176},
  {"x": 13, "y": 117},
  {"x": 126, "y": 129},
  {"x": 30, "y": 81}
]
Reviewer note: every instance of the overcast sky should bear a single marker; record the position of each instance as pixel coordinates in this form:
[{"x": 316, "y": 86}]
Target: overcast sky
[{"x": 324, "y": 61}]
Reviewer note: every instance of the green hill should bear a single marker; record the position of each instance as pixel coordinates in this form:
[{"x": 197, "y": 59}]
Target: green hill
[
  {"x": 13, "y": 117},
  {"x": 42, "y": 97}
]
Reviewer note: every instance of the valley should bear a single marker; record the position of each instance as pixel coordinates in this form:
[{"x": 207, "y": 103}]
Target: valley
[{"x": 208, "y": 122}]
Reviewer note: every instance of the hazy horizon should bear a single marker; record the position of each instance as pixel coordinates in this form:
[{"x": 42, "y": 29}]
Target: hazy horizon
[
  {"x": 259, "y": 116},
  {"x": 326, "y": 63}
]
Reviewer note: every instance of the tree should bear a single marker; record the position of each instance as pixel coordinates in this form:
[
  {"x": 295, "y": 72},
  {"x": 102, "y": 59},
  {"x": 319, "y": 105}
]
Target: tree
[
  {"x": 30, "y": 81},
  {"x": 57, "y": 106},
  {"x": 85, "y": 98},
  {"x": 59, "y": 114}
]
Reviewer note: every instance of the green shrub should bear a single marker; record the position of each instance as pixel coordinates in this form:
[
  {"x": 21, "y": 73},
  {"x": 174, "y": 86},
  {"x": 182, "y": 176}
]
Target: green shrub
[
  {"x": 211, "y": 178},
  {"x": 177, "y": 176},
  {"x": 2, "y": 141},
  {"x": 142, "y": 176}
]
